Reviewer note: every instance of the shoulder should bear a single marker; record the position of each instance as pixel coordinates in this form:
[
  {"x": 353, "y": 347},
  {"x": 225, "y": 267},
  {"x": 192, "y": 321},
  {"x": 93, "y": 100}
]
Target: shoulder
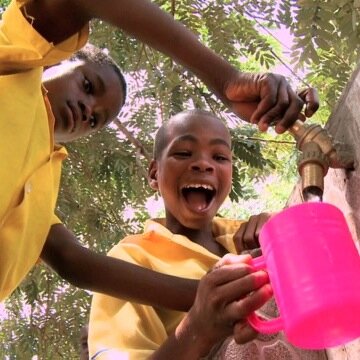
[
  {"x": 31, "y": 49},
  {"x": 224, "y": 226}
]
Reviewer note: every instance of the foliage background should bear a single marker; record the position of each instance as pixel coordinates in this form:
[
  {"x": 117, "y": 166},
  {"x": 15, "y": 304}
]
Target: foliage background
[{"x": 104, "y": 175}]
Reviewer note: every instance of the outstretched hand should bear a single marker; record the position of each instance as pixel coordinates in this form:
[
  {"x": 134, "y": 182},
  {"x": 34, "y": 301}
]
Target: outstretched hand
[
  {"x": 268, "y": 99},
  {"x": 246, "y": 239},
  {"x": 225, "y": 297}
]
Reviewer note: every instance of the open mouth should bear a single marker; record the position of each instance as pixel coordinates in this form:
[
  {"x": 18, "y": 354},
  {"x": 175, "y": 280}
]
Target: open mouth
[
  {"x": 71, "y": 120},
  {"x": 198, "y": 196}
]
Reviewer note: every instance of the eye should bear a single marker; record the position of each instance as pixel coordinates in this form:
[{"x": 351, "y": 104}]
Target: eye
[
  {"x": 88, "y": 86},
  {"x": 93, "y": 121},
  {"x": 221, "y": 158},
  {"x": 182, "y": 154}
]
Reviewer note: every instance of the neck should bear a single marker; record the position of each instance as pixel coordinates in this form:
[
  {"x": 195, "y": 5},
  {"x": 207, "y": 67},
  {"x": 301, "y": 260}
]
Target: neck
[{"x": 202, "y": 236}]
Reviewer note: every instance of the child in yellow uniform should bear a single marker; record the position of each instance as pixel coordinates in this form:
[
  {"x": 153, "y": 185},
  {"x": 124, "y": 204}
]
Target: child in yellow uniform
[
  {"x": 80, "y": 96},
  {"x": 192, "y": 170}
]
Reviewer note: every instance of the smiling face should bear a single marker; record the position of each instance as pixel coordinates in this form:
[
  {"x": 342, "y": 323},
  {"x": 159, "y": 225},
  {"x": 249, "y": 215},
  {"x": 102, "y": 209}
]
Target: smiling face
[
  {"x": 193, "y": 172},
  {"x": 84, "y": 97}
]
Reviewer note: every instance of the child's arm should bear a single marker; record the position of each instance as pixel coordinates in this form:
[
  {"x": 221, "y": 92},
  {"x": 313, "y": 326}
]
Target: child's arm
[
  {"x": 89, "y": 270},
  {"x": 259, "y": 98},
  {"x": 225, "y": 297}
]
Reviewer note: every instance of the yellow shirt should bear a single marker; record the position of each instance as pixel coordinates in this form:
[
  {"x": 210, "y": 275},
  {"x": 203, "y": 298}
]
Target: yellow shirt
[
  {"x": 124, "y": 330},
  {"x": 30, "y": 163}
]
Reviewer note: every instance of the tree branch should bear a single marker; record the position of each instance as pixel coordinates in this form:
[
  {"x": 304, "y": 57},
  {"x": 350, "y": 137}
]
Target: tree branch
[
  {"x": 292, "y": 143},
  {"x": 132, "y": 139}
]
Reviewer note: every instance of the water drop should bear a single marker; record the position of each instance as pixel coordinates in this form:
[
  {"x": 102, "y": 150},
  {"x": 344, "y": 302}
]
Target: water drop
[{"x": 312, "y": 194}]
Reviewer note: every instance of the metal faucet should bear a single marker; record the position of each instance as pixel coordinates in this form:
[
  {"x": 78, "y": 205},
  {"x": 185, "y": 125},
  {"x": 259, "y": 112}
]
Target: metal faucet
[{"x": 319, "y": 152}]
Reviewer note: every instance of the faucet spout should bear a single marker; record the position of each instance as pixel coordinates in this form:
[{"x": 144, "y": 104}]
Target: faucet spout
[
  {"x": 319, "y": 152},
  {"x": 313, "y": 165}
]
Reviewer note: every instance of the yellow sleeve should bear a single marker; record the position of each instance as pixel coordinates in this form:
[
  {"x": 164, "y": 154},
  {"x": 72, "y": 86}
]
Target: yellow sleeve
[
  {"x": 21, "y": 47},
  {"x": 119, "y": 327},
  {"x": 55, "y": 220}
]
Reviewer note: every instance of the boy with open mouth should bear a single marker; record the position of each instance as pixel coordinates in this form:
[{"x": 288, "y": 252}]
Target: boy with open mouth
[{"x": 192, "y": 170}]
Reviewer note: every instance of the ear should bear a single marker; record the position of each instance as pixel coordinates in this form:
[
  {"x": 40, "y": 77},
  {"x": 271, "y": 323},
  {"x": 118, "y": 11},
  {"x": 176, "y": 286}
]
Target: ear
[{"x": 152, "y": 175}]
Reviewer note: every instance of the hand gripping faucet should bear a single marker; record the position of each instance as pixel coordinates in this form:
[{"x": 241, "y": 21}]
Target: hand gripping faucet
[{"x": 318, "y": 153}]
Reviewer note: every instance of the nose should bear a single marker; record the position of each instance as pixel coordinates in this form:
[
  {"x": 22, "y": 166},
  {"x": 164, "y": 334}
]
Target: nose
[
  {"x": 202, "y": 164},
  {"x": 86, "y": 110}
]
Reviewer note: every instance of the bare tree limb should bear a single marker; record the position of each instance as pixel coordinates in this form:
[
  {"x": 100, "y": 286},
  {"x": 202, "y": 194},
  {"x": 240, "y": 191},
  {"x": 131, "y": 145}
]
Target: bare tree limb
[{"x": 132, "y": 139}]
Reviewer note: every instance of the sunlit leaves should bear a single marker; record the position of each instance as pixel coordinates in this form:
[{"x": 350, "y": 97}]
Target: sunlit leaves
[
  {"x": 326, "y": 41},
  {"x": 3, "y": 4}
]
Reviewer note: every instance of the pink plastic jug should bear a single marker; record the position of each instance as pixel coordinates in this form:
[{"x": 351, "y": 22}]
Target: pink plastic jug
[{"x": 314, "y": 270}]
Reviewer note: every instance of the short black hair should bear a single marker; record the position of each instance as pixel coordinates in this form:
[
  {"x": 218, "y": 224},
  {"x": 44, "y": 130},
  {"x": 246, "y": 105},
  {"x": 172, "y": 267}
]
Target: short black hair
[
  {"x": 93, "y": 54},
  {"x": 161, "y": 139}
]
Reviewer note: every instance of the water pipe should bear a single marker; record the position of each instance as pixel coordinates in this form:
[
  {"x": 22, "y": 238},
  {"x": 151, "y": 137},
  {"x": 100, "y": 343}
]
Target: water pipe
[{"x": 318, "y": 152}]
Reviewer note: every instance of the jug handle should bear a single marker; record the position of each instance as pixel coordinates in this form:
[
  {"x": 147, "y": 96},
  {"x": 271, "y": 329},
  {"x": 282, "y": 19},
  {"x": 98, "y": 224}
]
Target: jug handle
[{"x": 264, "y": 326}]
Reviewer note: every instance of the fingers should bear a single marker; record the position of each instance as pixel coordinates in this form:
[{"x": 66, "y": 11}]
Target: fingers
[
  {"x": 237, "y": 312},
  {"x": 292, "y": 112},
  {"x": 278, "y": 103},
  {"x": 247, "y": 236},
  {"x": 271, "y": 110},
  {"x": 231, "y": 282},
  {"x": 226, "y": 296},
  {"x": 229, "y": 259},
  {"x": 255, "y": 252},
  {"x": 242, "y": 287},
  {"x": 228, "y": 273},
  {"x": 288, "y": 108},
  {"x": 255, "y": 300},
  {"x": 243, "y": 332},
  {"x": 311, "y": 98},
  {"x": 268, "y": 99},
  {"x": 242, "y": 308},
  {"x": 252, "y": 235},
  {"x": 234, "y": 302}
]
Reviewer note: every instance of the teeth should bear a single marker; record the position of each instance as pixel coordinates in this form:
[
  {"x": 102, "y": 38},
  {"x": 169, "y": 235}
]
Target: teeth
[{"x": 204, "y": 186}]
